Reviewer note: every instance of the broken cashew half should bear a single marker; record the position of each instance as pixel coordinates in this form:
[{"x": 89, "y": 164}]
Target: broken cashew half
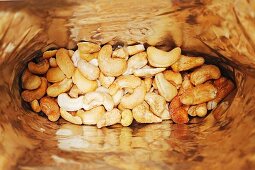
[
  {"x": 54, "y": 75},
  {"x": 50, "y": 107},
  {"x": 126, "y": 117},
  {"x": 106, "y": 81},
  {"x": 186, "y": 63},
  {"x": 109, "y": 118},
  {"x": 136, "y": 62},
  {"x": 156, "y": 102},
  {"x": 30, "y": 81}
]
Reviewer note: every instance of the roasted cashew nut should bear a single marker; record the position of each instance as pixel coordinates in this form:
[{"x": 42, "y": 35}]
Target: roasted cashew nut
[
  {"x": 173, "y": 77},
  {"x": 88, "y": 47},
  {"x": 198, "y": 110},
  {"x": 30, "y": 95},
  {"x": 142, "y": 114},
  {"x": 160, "y": 58},
  {"x": 200, "y": 94},
  {"x": 204, "y": 73},
  {"x": 61, "y": 87},
  {"x": 117, "y": 97},
  {"x": 91, "y": 117},
  {"x": 93, "y": 99},
  {"x": 75, "y": 91},
  {"x": 55, "y": 75},
  {"x": 88, "y": 70},
  {"x": 148, "y": 71},
  {"x": 187, "y": 63},
  {"x": 126, "y": 117},
  {"x": 64, "y": 62},
  {"x": 165, "y": 88},
  {"x": 134, "y": 49},
  {"x": 71, "y": 104},
  {"x": 53, "y": 62},
  {"x": 120, "y": 53},
  {"x": 50, "y": 107},
  {"x": 49, "y": 54},
  {"x": 35, "y": 106},
  {"x": 136, "y": 62},
  {"x": 109, "y": 118},
  {"x": 106, "y": 81},
  {"x": 30, "y": 81},
  {"x": 110, "y": 66},
  {"x": 129, "y": 101},
  {"x": 70, "y": 118},
  {"x": 157, "y": 103},
  {"x": 39, "y": 68},
  {"x": 128, "y": 81}
]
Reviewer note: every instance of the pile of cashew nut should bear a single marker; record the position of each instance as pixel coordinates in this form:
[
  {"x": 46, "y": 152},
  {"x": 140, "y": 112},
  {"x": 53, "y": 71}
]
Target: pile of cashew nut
[{"x": 96, "y": 85}]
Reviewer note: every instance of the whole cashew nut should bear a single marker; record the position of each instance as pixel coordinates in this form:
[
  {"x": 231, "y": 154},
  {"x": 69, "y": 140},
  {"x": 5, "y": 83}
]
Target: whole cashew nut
[
  {"x": 49, "y": 54},
  {"x": 71, "y": 104},
  {"x": 136, "y": 62},
  {"x": 50, "y": 107},
  {"x": 93, "y": 99},
  {"x": 134, "y": 49},
  {"x": 200, "y": 94},
  {"x": 39, "y": 68},
  {"x": 187, "y": 63},
  {"x": 126, "y": 117},
  {"x": 54, "y": 75},
  {"x": 148, "y": 71},
  {"x": 157, "y": 103},
  {"x": 30, "y": 81},
  {"x": 160, "y": 58},
  {"x": 82, "y": 83},
  {"x": 109, "y": 118},
  {"x": 204, "y": 73},
  {"x": 198, "y": 110},
  {"x": 88, "y": 47},
  {"x": 129, "y": 101},
  {"x": 64, "y": 62},
  {"x": 91, "y": 117},
  {"x": 88, "y": 70},
  {"x": 166, "y": 89},
  {"x": 30, "y": 95},
  {"x": 69, "y": 117},
  {"x": 142, "y": 114},
  {"x": 110, "y": 66},
  {"x": 61, "y": 87},
  {"x": 128, "y": 81}
]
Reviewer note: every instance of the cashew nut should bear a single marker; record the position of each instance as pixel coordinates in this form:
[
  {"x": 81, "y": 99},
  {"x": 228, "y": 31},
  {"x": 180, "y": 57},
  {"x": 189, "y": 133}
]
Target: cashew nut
[
  {"x": 39, "y": 68},
  {"x": 109, "y": 118},
  {"x": 173, "y": 77},
  {"x": 120, "y": 53},
  {"x": 160, "y": 58},
  {"x": 82, "y": 83},
  {"x": 75, "y": 91},
  {"x": 157, "y": 103},
  {"x": 148, "y": 71},
  {"x": 61, "y": 87},
  {"x": 117, "y": 97},
  {"x": 64, "y": 62},
  {"x": 126, "y": 117},
  {"x": 94, "y": 62},
  {"x": 53, "y": 62},
  {"x": 54, "y": 75},
  {"x": 88, "y": 47},
  {"x": 186, "y": 63},
  {"x": 30, "y": 81},
  {"x": 89, "y": 57},
  {"x": 165, "y": 115},
  {"x": 180, "y": 115},
  {"x": 136, "y": 62},
  {"x": 200, "y": 94},
  {"x": 50, "y": 107},
  {"x": 148, "y": 83},
  {"x": 106, "y": 81},
  {"x": 70, "y": 53},
  {"x": 71, "y": 104},
  {"x": 142, "y": 114},
  {"x": 204, "y": 73},
  {"x": 75, "y": 58},
  {"x": 198, "y": 110},
  {"x": 166, "y": 89},
  {"x": 91, "y": 117},
  {"x": 35, "y": 106},
  {"x": 69, "y": 117},
  {"x": 129, "y": 101},
  {"x": 224, "y": 87},
  {"x": 93, "y": 99},
  {"x": 30, "y": 95},
  {"x": 186, "y": 84},
  {"x": 134, "y": 49},
  {"x": 49, "y": 54},
  {"x": 128, "y": 81},
  {"x": 88, "y": 70},
  {"x": 110, "y": 66}
]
